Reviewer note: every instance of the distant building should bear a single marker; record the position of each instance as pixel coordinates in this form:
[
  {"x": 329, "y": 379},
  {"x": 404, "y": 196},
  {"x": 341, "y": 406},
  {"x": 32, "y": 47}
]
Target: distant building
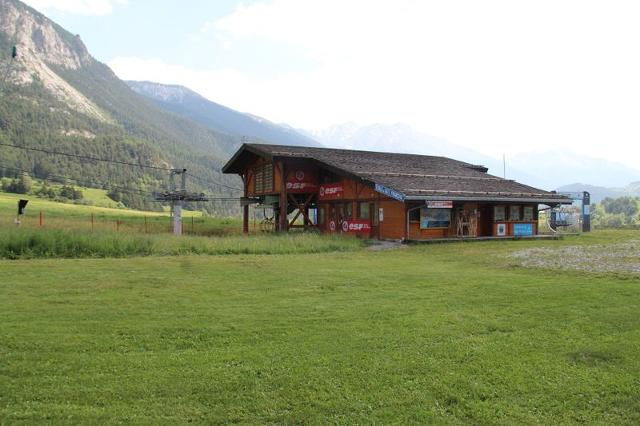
[{"x": 385, "y": 195}]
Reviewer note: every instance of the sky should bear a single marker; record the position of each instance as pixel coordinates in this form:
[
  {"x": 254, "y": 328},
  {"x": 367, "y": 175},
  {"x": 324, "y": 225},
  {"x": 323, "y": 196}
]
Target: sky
[{"x": 495, "y": 76}]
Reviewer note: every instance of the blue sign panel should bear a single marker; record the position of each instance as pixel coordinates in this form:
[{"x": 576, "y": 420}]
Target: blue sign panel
[
  {"x": 389, "y": 192},
  {"x": 522, "y": 229}
]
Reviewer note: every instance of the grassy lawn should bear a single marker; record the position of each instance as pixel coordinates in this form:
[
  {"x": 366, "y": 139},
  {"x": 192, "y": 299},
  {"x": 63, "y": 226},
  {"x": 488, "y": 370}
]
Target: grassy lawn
[
  {"x": 79, "y": 217},
  {"x": 426, "y": 334}
]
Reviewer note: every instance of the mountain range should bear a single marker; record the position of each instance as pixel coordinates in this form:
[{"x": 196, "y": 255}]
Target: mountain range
[
  {"x": 549, "y": 170},
  {"x": 57, "y": 97},
  {"x": 189, "y": 104},
  {"x": 599, "y": 193}
]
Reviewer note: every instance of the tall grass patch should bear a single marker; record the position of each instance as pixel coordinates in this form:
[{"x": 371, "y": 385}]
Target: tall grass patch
[{"x": 25, "y": 243}]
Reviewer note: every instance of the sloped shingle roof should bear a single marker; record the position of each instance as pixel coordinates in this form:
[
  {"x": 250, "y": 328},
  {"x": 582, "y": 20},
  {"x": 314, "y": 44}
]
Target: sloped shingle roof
[{"x": 414, "y": 176}]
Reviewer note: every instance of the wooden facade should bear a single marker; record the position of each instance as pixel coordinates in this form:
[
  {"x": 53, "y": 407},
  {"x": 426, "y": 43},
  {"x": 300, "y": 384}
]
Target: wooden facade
[{"x": 306, "y": 193}]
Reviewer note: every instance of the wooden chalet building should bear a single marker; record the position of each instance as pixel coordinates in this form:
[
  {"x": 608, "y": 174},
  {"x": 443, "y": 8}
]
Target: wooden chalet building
[{"x": 384, "y": 195}]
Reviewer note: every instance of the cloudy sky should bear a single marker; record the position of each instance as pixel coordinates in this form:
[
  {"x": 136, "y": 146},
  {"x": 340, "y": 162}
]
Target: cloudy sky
[{"x": 496, "y": 76}]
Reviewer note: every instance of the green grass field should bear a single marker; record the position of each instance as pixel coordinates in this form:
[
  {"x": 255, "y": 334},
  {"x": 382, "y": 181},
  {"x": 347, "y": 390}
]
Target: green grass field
[
  {"x": 444, "y": 334},
  {"x": 82, "y": 218}
]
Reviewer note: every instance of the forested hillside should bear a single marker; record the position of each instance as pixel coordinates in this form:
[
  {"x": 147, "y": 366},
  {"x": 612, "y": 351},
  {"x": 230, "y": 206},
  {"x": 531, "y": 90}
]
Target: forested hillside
[{"x": 58, "y": 98}]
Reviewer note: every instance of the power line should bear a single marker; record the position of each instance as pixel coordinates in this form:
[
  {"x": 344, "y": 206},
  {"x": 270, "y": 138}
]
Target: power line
[
  {"x": 79, "y": 183},
  {"x": 208, "y": 182},
  {"x": 214, "y": 197},
  {"x": 83, "y": 157},
  {"x": 125, "y": 163}
]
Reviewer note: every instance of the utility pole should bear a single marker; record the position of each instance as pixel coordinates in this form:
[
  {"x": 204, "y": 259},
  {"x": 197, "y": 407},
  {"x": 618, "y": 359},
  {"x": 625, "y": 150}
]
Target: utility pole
[
  {"x": 177, "y": 197},
  {"x": 504, "y": 166}
]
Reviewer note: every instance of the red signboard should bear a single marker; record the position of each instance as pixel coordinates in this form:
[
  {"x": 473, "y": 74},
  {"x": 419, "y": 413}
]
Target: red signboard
[
  {"x": 301, "y": 181},
  {"x": 356, "y": 226},
  {"x": 331, "y": 191}
]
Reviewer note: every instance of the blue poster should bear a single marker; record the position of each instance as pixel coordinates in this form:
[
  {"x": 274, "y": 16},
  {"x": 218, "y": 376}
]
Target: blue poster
[{"x": 522, "y": 229}]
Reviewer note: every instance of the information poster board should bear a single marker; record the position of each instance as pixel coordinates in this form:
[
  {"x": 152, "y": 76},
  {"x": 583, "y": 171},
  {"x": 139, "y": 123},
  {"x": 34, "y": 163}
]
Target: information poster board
[{"x": 522, "y": 229}]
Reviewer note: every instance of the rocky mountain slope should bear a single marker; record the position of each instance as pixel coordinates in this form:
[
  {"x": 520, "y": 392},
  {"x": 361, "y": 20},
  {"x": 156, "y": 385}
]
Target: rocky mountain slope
[
  {"x": 58, "y": 97},
  {"x": 189, "y": 104}
]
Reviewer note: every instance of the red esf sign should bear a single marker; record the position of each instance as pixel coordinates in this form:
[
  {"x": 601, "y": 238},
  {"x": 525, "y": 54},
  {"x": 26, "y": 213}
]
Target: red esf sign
[
  {"x": 356, "y": 226},
  {"x": 301, "y": 181},
  {"x": 351, "y": 226},
  {"x": 331, "y": 191}
]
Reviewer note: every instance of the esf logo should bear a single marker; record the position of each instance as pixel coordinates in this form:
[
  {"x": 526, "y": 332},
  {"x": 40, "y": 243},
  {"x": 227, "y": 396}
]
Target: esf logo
[
  {"x": 330, "y": 190},
  {"x": 299, "y": 185},
  {"x": 355, "y": 227}
]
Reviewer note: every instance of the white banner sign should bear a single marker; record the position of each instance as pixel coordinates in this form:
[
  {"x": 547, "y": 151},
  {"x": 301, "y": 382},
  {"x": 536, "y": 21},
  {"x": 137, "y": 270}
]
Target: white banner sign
[{"x": 440, "y": 204}]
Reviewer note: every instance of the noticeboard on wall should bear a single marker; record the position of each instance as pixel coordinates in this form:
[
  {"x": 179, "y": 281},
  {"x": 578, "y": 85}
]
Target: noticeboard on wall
[
  {"x": 522, "y": 229},
  {"x": 435, "y": 218}
]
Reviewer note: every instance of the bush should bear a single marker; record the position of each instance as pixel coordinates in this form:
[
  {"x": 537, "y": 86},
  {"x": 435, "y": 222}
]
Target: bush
[{"x": 627, "y": 206}]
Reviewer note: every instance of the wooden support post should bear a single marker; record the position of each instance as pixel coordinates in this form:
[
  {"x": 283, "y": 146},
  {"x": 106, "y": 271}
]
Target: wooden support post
[
  {"x": 41, "y": 219},
  {"x": 245, "y": 219},
  {"x": 91, "y": 222},
  {"x": 284, "y": 202},
  {"x": 303, "y": 209},
  {"x": 117, "y": 225}
]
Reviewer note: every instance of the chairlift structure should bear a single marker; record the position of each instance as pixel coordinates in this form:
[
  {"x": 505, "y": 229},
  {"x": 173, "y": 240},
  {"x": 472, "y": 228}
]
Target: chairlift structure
[{"x": 561, "y": 217}]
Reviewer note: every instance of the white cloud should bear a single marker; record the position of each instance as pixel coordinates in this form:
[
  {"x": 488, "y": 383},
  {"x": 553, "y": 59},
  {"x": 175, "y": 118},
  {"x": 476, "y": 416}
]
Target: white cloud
[
  {"x": 77, "y": 7},
  {"x": 495, "y": 76}
]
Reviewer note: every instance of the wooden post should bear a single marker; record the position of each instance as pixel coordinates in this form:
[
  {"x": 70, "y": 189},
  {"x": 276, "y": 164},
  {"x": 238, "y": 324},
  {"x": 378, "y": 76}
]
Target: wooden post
[
  {"x": 284, "y": 202},
  {"x": 41, "y": 219},
  {"x": 245, "y": 219},
  {"x": 245, "y": 208},
  {"x": 92, "y": 222},
  {"x": 117, "y": 225}
]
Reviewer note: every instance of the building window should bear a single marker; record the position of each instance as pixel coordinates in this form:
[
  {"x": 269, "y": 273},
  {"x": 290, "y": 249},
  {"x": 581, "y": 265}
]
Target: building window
[
  {"x": 498, "y": 213},
  {"x": 434, "y": 218},
  {"x": 264, "y": 178},
  {"x": 414, "y": 215},
  {"x": 363, "y": 210},
  {"x": 348, "y": 210},
  {"x": 514, "y": 213},
  {"x": 527, "y": 214}
]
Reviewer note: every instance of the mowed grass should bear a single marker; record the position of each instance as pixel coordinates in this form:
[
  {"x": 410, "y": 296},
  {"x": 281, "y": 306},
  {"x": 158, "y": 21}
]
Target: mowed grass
[{"x": 444, "y": 334}]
